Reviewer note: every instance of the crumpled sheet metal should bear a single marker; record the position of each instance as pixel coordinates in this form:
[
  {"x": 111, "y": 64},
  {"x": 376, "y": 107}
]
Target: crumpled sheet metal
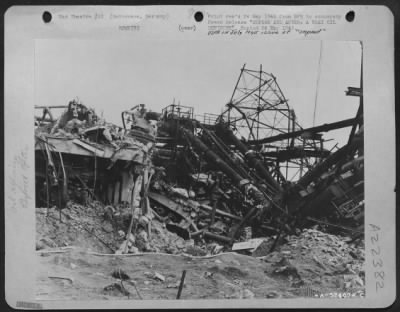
[{"x": 136, "y": 153}]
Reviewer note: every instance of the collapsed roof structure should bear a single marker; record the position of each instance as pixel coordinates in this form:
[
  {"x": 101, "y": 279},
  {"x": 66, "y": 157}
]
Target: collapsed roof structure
[{"x": 251, "y": 171}]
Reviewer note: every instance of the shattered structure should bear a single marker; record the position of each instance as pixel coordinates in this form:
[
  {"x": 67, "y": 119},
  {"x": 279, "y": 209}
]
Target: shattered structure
[{"x": 250, "y": 172}]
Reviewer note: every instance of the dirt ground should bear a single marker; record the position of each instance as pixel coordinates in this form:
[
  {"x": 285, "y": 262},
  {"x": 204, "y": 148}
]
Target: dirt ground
[
  {"x": 224, "y": 276},
  {"x": 75, "y": 261}
]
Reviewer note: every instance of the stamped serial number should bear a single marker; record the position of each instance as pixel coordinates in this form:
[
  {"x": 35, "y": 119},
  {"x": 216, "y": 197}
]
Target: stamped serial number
[
  {"x": 341, "y": 295},
  {"x": 377, "y": 262}
]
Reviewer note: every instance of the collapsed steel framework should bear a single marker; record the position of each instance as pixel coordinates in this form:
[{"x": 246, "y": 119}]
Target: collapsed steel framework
[
  {"x": 259, "y": 126},
  {"x": 252, "y": 144},
  {"x": 258, "y": 109}
]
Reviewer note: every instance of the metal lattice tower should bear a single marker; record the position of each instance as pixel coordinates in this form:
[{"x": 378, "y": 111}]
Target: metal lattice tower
[{"x": 259, "y": 109}]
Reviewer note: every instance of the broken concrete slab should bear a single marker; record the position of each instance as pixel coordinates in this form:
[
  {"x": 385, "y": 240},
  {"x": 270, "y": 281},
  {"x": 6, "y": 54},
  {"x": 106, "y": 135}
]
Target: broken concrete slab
[{"x": 250, "y": 245}]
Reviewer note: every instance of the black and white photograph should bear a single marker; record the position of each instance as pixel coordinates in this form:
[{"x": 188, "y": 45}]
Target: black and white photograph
[{"x": 198, "y": 169}]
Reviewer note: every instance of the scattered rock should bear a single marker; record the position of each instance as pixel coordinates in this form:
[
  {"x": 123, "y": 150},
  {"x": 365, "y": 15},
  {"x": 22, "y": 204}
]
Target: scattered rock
[
  {"x": 264, "y": 248},
  {"x": 352, "y": 281},
  {"x": 247, "y": 294},
  {"x": 131, "y": 238},
  {"x": 215, "y": 248},
  {"x": 174, "y": 285},
  {"x": 287, "y": 269},
  {"x": 180, "y": 192},
  {"x": 40, "y": 246},
  {"x": 272, "y": 294},
  {"x": 158, "y": 276},
  {"x": 108, "y": 213},
  {"x": 192, "y": 194},
  {"x": 121, "y": 249},
  {"x": 133, "y": 250},
  {"x": 195, "y": 251},
  {"x": 116, "y": 289},
  {"x": 208, "y": 274},
  {"x": 144, "y": 220}
]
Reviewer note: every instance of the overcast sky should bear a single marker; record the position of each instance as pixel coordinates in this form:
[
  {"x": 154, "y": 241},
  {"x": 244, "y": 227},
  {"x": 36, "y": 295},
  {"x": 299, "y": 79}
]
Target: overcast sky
[{"x": 112, "y": 76}]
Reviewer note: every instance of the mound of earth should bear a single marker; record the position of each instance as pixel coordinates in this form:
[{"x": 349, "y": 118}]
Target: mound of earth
[{"x": 312, "y": 263}]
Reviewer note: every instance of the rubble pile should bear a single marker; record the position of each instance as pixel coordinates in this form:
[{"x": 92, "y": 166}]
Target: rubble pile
[
  {"x": 91, "y": 227},
  {"x": 317, "y": 258},
  {"x": 159, "y": 240},
  {"x": 77, "y": 225}
]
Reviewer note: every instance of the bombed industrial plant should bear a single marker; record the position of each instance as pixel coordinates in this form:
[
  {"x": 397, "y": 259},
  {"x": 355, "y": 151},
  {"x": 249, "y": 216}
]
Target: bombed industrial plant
[{"x": 174, "y": 204}]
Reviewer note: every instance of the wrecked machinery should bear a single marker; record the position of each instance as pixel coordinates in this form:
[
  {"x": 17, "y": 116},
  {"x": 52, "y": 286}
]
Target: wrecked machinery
[
  {"x": 83, "y": 156},
  {"x": 227, "y": 177}
]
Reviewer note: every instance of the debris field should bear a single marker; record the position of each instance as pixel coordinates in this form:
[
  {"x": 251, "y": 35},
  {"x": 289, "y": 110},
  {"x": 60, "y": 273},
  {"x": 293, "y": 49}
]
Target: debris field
[{"x": 178, "y": 206}]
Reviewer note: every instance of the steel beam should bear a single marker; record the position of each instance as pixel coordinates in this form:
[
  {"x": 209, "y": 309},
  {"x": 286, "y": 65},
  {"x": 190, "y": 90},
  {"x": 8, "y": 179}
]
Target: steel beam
[
  {"x": 322, "y": 128},
  {"x": 225, "y": 132}
]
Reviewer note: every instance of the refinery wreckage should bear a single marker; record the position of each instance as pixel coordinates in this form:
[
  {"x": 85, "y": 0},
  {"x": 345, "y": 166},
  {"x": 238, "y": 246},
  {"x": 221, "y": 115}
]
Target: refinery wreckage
[{"x": 247, "y": 186}]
